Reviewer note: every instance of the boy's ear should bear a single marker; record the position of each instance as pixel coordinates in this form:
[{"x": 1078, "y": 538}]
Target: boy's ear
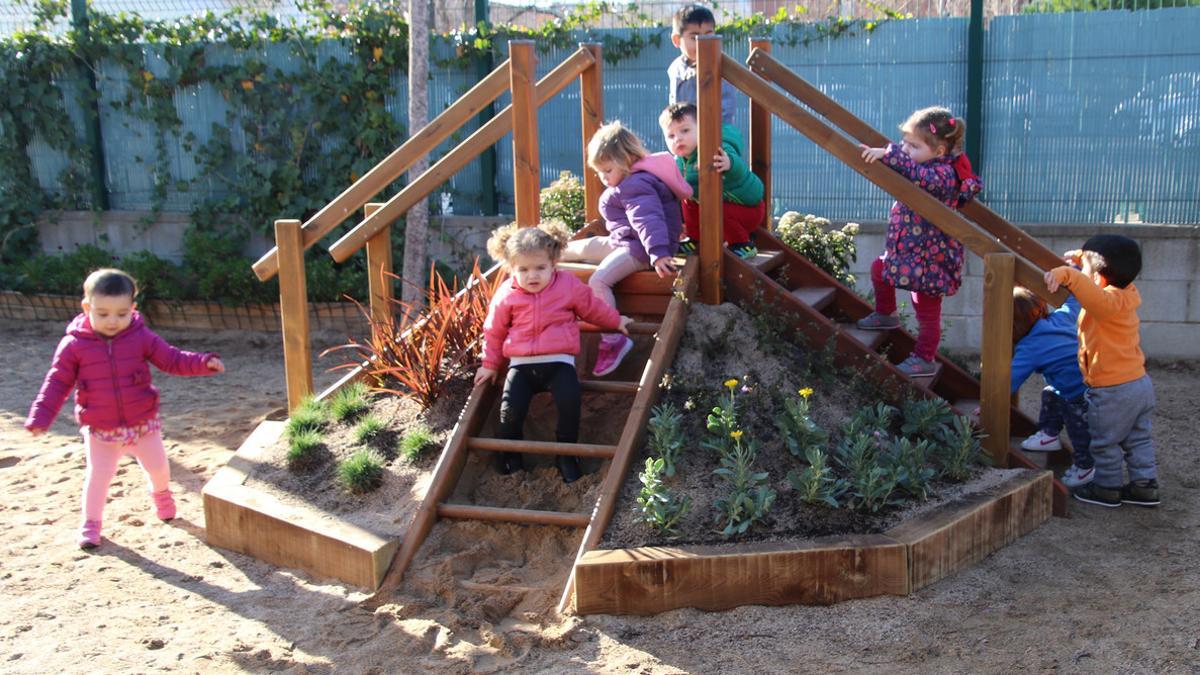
[{"x": 675, "y": 39}]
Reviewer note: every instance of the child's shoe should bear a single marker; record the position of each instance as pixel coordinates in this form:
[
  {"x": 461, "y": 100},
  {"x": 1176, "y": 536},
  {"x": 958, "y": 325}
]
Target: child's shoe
[
  {"x": 1100, "y": 496},
  {"x": 568, "y": 468},
  {"x": 1141, "y": 493},
  {"x": 1041, "y": 442},
  {"x": 744, "y": 250},
  {"x": 613, "y": 348},
  {"x": 509, "y": 462},
  {"x": 687, "y": 246},
  {"x": 877, "y": 321},
  {"x": 1076, "y": 477},
  {"x": 89, "y": 534},
  {"x": 164, "y": 504},
  {"x": 915, "y": 366}
]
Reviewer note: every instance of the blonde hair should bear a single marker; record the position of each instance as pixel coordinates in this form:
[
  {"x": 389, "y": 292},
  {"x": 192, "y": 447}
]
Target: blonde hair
[
  {"x": 513, "y": 240},
  {"x": 938, "y": 126},
  {"x": 110, "y": 283},
  {"x": 614, "y": 143}
]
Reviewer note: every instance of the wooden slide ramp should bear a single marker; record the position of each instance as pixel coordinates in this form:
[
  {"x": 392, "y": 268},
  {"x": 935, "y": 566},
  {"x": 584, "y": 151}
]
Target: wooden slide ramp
[
  {"x": 824, "y": 311},
  {"x": 659, "y": 308}
]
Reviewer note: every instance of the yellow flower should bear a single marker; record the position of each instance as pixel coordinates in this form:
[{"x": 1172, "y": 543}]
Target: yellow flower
[
  {"x": 806, "y": 392},
  {"x": 731, "y": 383},
  {"x": 735, "y": 434}
]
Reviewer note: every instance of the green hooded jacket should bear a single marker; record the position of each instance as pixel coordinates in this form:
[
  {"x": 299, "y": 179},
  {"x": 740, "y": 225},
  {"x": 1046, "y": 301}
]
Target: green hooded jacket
[{"x": 740, "y": 185}]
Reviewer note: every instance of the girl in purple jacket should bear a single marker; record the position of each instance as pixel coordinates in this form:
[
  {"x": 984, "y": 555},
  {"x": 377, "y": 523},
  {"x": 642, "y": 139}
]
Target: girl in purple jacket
[
  {"x": 104, "y": 356},
  {"x": 533, "y": 325},
  {"x": 641, "y": 209},
  {"x": 918, "y": 256}
]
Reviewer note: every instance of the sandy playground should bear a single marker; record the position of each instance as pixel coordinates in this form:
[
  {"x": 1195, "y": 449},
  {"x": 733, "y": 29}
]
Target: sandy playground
[{"x": 1104, "y": 591}]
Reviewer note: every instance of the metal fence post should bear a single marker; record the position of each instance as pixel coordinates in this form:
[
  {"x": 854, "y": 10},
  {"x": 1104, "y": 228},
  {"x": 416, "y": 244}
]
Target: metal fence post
[{"x": 974, "y": 142}]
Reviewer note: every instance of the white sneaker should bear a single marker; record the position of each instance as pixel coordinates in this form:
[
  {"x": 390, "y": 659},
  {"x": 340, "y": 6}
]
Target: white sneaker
[
  {"x": 1041, "y": 442},
  {"x": 1077, "y": 477}
]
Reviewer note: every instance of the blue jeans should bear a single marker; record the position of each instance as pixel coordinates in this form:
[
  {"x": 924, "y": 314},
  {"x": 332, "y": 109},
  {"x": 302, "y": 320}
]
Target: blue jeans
[{"x": 1058, "y": 412}]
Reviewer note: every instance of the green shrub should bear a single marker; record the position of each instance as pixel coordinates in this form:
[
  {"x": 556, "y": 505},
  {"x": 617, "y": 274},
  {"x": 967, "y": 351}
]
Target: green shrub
[
  {"x": 831, "y": 250},
  {"x": 368, "y": 429},
  {"x": 157, "y": 278},
  {"x": 62, "y": 274},
  {"x": 310, "y": 415},
  {"x": 361, "y": 472},
  {"x": 416, "y": 442},
  {"x": 350, "y": 402},
  {"x": 563, "y": 201},
  {"x": 304, "y": 450},
  {"x": 658, "y": 506},
  {"x": 666, "y": 436}
]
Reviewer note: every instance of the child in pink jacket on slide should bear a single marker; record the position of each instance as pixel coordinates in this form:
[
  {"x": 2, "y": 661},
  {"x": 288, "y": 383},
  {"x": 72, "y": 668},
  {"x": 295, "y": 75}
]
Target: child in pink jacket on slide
[{"x": 104, "y": 356}]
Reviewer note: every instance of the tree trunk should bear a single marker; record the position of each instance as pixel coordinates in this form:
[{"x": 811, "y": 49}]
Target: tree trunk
[{"x": 416, "y": 231}]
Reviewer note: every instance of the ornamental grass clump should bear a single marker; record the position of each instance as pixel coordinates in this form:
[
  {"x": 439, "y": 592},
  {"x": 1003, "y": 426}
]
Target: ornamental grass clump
[
  {"x": 657, "y": 505},
  {"x": 304, "y": 449},
  {"x": 368, "y": 430},
  {"x": 310, "y": 415},
  {"x": 415, "y": 442},
  {"x": 349, "y": 402},
  {"x": 361, "y": 472}
]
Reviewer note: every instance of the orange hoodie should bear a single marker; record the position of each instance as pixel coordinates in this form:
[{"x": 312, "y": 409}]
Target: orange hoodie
[{"x": 1109, "y": 351}]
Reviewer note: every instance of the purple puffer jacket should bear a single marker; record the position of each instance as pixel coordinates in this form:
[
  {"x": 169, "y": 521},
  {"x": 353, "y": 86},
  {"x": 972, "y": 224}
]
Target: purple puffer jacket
[
  {"x": 642, "y": 212},
  {"x": 110, "y": 376}
]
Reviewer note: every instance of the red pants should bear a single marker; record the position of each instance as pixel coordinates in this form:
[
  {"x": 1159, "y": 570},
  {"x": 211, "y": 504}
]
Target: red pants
[
  {"x": 927, "y": 307},
  {"x": 739, "y": 221}
]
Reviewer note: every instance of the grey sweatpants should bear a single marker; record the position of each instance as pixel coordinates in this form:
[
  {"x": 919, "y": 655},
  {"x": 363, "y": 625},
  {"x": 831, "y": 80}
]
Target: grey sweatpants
[{"x": 1119, "y": 420}]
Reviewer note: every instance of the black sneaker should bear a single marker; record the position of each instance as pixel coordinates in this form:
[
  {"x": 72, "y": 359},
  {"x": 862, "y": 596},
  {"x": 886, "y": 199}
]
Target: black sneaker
[
  {"x": 509, "y": 462},
  {"x": 1141, "y": 493},
  {"x": 568, "y": 467},
  {"x": 688, "y": 247},
  {"x": 1100, "y": 496}
]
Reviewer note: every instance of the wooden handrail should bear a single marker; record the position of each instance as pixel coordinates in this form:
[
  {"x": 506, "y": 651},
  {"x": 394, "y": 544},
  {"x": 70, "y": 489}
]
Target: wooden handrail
[
  {"x": 554, "y": 81},
  {"x": 762, "y": 63},
  {"x": 394, "y": 165},
  {"x": 949, "y": 221},
  {"x": 708, "y": 104}
]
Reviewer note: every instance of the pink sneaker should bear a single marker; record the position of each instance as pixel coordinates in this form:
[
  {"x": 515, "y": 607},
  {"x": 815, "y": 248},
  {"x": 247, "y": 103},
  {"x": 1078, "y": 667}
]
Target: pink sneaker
[
  {"x": 164, "y": 504},
  {"x": 613, "y": 348},
  {"x": 89, "y": 534}
]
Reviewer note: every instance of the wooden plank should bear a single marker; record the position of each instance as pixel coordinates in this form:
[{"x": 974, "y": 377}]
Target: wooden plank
[
  {"x": 708, "y": 104},
  {"x": 767, "y": 261},
  {"x": 609, "y": 386},
  {"x": 760, "y": 141},
  {"x": 972, "y": 236},
  {"x": 762, "y": 63},
  {"x": 542, "y": 447},
  {"x": 996, "y": 353},
  {"x": 293, "y": 310},
  {"x": 647, "y": 282},
  {"x": 635, "y": 328},
  {"x": 820, "y": 572},
  {"x": 503, "y": 515},
  {"x": 869, "y": 338},
  {"x": 484, "y": 137},
  {"x": 815, "y": 297},
  {"x": 629, "y": 303},
  {"x": 394, "y": 165},
  {"x": 964, "y": 532},
  {"x": 379, "y": 270},
  {"x": 591, "y": 107},
  {"x": 526, "y": 168}
]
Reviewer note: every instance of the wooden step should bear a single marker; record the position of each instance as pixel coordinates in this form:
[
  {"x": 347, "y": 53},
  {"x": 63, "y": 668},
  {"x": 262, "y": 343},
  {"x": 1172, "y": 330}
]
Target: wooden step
[
  {"x": 639, "y": 282},
  {"x": 607, "y": 387},
  {"x": 816, "y": 297},
  {"x": 542, "y": 447},
  {"x": 635, "y": 328},
  {"x": 766, "y": 261},
  {"x": 966, "y": 407},
  {"x": 870, "y": 338},
  {"x": 506, "y": 515}
]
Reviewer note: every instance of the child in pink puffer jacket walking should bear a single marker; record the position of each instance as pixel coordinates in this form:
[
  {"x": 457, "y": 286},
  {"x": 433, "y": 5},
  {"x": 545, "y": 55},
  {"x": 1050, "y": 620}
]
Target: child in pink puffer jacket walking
[
  {"x": 104, "y": 357},
  {"x": 533, "y": 324}
]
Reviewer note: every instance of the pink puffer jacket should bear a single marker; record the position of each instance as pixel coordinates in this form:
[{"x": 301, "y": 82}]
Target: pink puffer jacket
[
  {"x": 111, "y": 376},
  {"x": 520, "y": 323}
]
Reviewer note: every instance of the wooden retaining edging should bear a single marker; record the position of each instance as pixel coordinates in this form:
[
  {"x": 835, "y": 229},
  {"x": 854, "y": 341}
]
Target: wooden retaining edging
[{"x": 904, "y": 559}]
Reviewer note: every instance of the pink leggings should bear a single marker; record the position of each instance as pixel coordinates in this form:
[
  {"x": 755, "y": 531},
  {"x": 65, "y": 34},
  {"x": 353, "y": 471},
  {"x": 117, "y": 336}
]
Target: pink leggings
[
  {"x": 102, "y": 459},
  {"x": 928, "y": 309}
]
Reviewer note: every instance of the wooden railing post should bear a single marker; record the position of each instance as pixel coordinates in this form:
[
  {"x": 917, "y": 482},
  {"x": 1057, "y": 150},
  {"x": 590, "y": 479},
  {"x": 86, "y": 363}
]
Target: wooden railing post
[
  {"x": 526, "y": 170},
  {"x": 708, "y": 104},
  {"x": 996, "y": 382},
  {"x": 293, "y": 309},
  {"x": 760, "y": 142},
  {"x": 591, "y": 105},
  {"x": 379, "y": 269}
]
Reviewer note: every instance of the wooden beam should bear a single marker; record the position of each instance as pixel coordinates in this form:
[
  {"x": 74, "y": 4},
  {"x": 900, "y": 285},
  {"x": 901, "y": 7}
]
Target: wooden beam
[
  {"x": 609, "y": 386},
  {"x": 487, "y": 135},
  {"x": 997, "y": 353},
  {"x": 928, "y": 207},
  {"x": 293, "y": 310},
  {"x": 708, "y": 104},
  {"x": 644, "y": 283},
  {"x": 394, "y": 165},
  {"x": 762, "y": 63},
  {"x": 505, "y": 515},
  {"x": 526, "y": 167},
  {"x": 591, "y": 106},
  {"x": 542, "y": 447},
  {"x": 635, "y": 328},
  {"x": 760, "y": 141},
  {"x": 379, "y": 269}
]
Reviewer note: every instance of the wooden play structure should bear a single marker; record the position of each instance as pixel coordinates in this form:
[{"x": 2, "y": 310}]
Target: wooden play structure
[{"x": 816, "y": 306}]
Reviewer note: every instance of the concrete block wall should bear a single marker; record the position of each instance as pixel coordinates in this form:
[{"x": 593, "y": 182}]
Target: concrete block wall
[{"x": 1169, "y": 284}]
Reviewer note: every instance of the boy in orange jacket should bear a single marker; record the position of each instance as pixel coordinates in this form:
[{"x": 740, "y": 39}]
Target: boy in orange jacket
[{"x": 1120, "y": 395}]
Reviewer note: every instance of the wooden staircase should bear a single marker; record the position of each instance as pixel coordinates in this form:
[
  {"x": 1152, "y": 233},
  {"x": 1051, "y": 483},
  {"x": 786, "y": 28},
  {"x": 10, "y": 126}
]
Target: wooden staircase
[{"x": 824, "y": 311}]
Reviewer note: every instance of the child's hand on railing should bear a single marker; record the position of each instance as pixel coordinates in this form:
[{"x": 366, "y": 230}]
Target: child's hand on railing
[
  {"x": 1051, "y": 281},
  {"x": 665, "y": 267},
  {"x": 721, "y": 161},
  {"x": 624, "y": 325},
  {"x": 485, "y": 375},
  {"x": 871, "y": 155}
]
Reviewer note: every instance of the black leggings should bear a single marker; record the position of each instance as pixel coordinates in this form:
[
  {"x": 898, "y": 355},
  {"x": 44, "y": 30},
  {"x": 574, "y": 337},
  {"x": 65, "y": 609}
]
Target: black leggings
[{"x": 526, "y": 380}]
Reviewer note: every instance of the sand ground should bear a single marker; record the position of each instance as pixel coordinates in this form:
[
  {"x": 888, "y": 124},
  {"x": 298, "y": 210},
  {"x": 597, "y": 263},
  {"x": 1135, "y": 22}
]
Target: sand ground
[{"x": 1104, "y": 591}]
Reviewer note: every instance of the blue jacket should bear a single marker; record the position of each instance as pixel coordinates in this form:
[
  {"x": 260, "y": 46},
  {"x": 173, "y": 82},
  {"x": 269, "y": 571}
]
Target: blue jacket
[{"x": 1052, "y": 348}]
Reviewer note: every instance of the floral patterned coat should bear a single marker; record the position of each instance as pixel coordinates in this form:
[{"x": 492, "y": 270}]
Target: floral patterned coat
[{"x": 919, "y": 257}]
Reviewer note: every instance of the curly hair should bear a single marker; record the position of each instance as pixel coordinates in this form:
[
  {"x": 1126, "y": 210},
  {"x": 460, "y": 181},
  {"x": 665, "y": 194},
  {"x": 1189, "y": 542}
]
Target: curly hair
[
  {"x": 938, "y": 126},
  {"x": 511, "y": 240}
]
